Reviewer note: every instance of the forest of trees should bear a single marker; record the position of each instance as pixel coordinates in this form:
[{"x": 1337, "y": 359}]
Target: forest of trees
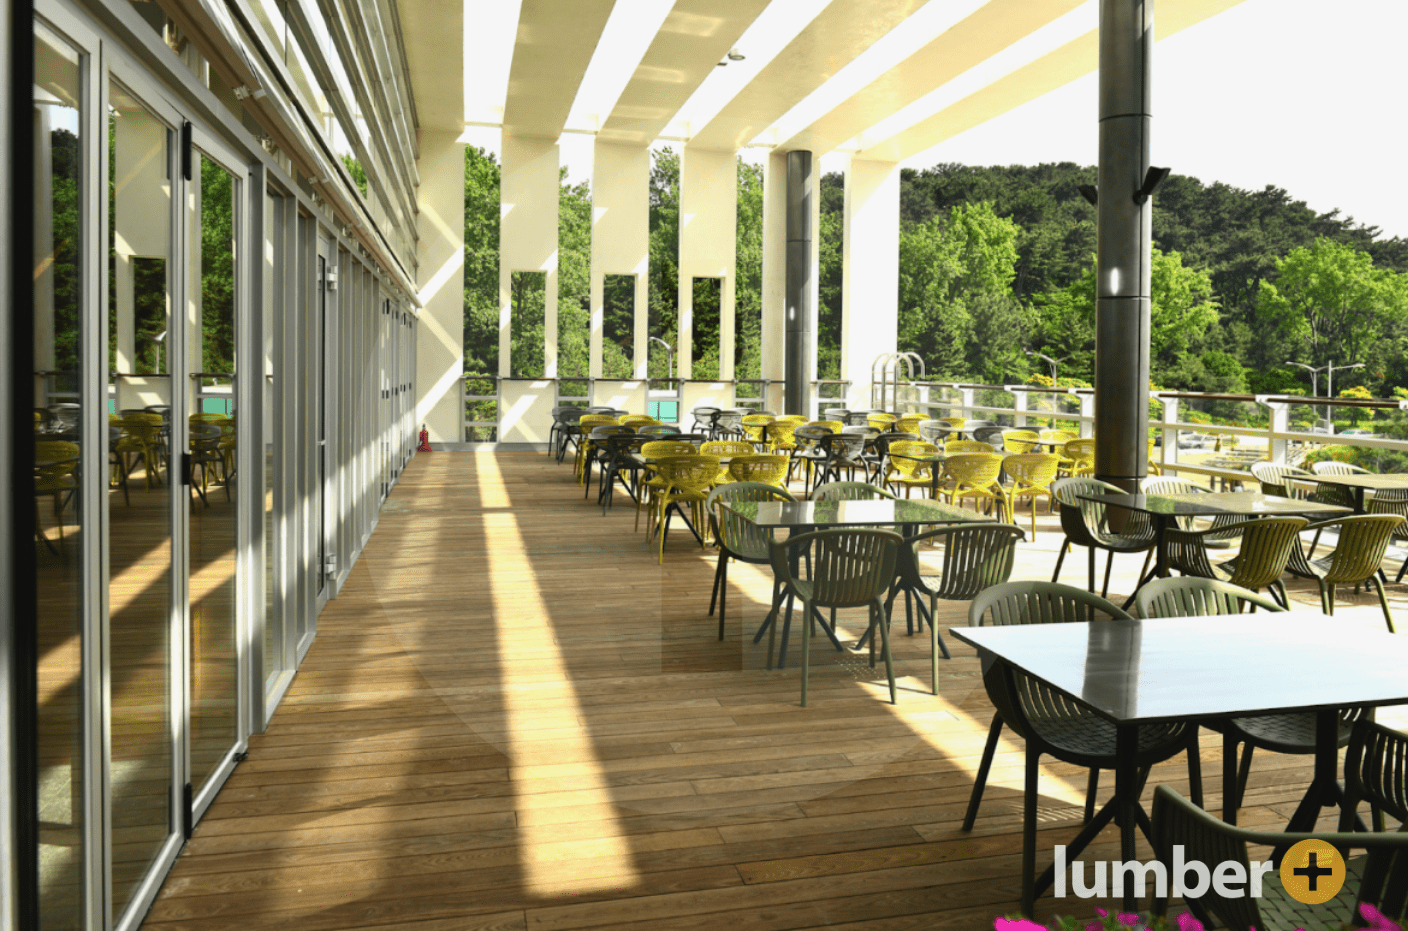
[{"x": 995, "y": 261}]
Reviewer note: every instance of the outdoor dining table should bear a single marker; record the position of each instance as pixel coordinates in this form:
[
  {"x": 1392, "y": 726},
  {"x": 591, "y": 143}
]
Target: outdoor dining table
[
  {"x": 803, "y": 516},
  {"x": 1134, "y": 672},
  {"x": 1358, "y": 483},
  {"x": 1165, "y": 509}
]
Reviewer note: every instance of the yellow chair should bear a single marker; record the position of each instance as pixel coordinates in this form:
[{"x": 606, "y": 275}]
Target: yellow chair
[
  {"x": 882, "y": 422},
  {"x": 755, "y": 428},
  {"x": 54, "y": 478},
  {"x": 653, "y": 483},
  {"x": 782, "y": 435},
  {"x": 1019, "y": 441},
  {"x": 584, "y": 444},
  {"x": 767, "y": 469},
  {"x": 1154, "y": 468},
  {"x": 1032, "y": 475},
  {"x": 968, "y": 446},
  {"x": 912, "y": 473},
  {"x": 955, "y": 422},
  {"x": 974, "y": 475},
  {"x": 639, "y": 420},
  {"x": 139, "y": 438},
  {"x": 685, "y": 480},
  {"x": 1055, "y": 439},
  {"x": 724, "y": 448},
  {"x": 835, "y": 426},
  {"x": 1078, "y": 457},
  {"x": 909, "y": 423}
]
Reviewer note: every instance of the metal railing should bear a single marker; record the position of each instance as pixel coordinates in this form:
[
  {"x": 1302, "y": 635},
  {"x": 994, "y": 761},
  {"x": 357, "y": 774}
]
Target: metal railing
[
  {"x": 481, "y": 408},
  {"x": 756, "y": 395}
]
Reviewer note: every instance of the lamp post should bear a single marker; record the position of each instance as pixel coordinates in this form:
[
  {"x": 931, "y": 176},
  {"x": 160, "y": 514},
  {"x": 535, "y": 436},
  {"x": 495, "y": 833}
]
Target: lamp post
[
  {"x": 669, "y": 359},
  {"x": 1053, "y": 363},
  {"x": 1330, "y": 386}
]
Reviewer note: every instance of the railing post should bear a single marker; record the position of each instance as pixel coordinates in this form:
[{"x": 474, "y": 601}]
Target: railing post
[
  {"x": 1087, "y": 409},
  {"x": 1170, "y": 432},
  {"x": 968, "y": 400},
  {"x": 1019, "y": 404},
  {"x": 1280, "y": 423}
]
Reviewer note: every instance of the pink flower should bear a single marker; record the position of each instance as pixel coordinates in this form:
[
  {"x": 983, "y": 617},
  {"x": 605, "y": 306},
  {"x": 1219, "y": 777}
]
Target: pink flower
[
  {"x": 1186, "y": 922},
  {"x": 1017, "y": 924},
  {"x": 1378, "y": 921}
]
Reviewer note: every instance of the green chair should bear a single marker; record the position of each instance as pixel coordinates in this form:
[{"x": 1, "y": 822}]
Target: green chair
[
  {"x": 850, "y": 569},
  {"x": 1268, "y": 545},
  {"x": 1379, "y": 880},
  {"x": 851, "y": 491},
  {"x": 1172, "y": 485},
  {"x": 1375, "y": 771},
  {"x": 1085, "y": 524},
  {"x": 738, "y": 539},
  {"x": 1055, "y": 725},
  {"x": 1193, "y": 596},
  {"x": 1355, "y": 560},
  {"x": 975, "y": 557}
]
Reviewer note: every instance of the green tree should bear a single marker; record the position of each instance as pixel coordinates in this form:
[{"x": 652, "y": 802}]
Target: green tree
[
  {"x": 748, "y": 286},
  {"x": 664, "y": 295},
  {"x": 574, "y": 259},
  {"x": 481, "y": 262},
  {"x": 1334, "y": 305}
]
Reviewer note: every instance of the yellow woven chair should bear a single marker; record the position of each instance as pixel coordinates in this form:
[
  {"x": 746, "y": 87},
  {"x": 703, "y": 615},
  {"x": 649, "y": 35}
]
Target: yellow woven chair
[
  {"x": 767, "y": 469},
  {"x": 686, "y": 480},
  {"x": 835, "y": 426},
  {"x": 1056, "y": 437},
  {"x": 967, "y": 446},
  {"x": 1078, "y": 457},
  {"x": 974, "y": 475},
  {"x": 1154, "y": 468},
  {"x": 584, "y": 444},
  {"x": 1032, "y": 475},
  {"x": 639, "y": 420},
  {"x": 910, "y": 473},
  {"x": 54, "y": 478},
  {"x": 653, "y": 484},
  {"x": 955, "y": 422},
  {"x": 1019, "y": 441},
  {"x": 882, "y": 422},
  {"x": 139, "y": 438},
  {"x": 909, "y": 423},
  {"x": 782, "y": 435},
  {"x": 754, "y": 428},
  {"x": 723, "y": 448}
]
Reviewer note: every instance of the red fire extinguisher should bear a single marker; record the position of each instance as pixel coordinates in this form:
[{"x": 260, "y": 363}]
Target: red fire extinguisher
[{"x": 424, "y": 446}]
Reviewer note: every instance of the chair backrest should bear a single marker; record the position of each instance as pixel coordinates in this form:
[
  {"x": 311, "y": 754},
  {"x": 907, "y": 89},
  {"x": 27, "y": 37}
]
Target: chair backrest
[
  {"x": 910, "y": 468},
  {"x": 61, "y": 455},
  {"x": 639, "y": 420},
  {"x": 967, "y": 446},
  {"x": 864, "y": 430},
  {"x": 935, "y": 431},
  {"x": 811, "y": 434},
  {"x": 768, "y": 469},
  {"x": 1363, "y": 539},
  {"x": 909, "y": 423},
  {"x": 844, "y": 445},
  {"x": 835, "y": 425},
  {"x": 1018, "y": 441},
  {"x": 976, "y": 557},
  {"x": 990, "y": 434},
  {"x": 850, "y": 567},
  {"x": 835, "y": 413},
  {"x": 1078, "y": 516},
  {"x": 1055, "y": 436},
  {"x": 790, "y": 418},
  {"x": 954, "y": 422},
  {"x": 1081, "y": 452},
  {"x": 850, "y": 491},
  {"x": 976, "y": 424},
  {"x": 1032, "y": 469},
  {"x": 726, "y": 448},
  {"x": 1192, "y": 596},
  {"x": 660, "y": 448},
  {"x": 141, "y": 428},
  {"x": 1038, "y": 603},
  {"x": 659, "y": 429},
  {"x": 883, "y": 441},
  {"x": 691, "y": 474},
  {"x": 1272, "y": 477},
  {"x": 589, "y": 421},
  {"x": 1170, "y": 485},
  {"x": 739, "y": 536},
  {"x": 979, "y": 470},
  {"x": 1268, "y": 546},
  {"x": 883, "y": 421},
  {"x": 1331, "y": 467},
  {"x": 1376, "y": 768},
  {"x": 782, "y": 433}
]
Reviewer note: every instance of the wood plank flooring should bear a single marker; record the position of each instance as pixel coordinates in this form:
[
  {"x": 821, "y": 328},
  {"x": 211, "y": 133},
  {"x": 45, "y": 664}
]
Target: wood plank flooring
[{"x": 514, "y": 718}]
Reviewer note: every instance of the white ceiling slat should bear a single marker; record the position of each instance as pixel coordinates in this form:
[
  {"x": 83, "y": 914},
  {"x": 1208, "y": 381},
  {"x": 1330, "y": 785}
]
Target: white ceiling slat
[{"x": 554, "y": 47}]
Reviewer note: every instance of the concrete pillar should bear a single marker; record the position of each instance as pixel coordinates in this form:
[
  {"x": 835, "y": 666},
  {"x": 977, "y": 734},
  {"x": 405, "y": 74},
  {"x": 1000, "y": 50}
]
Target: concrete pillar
[
  {"x": 870, "y": 292},
  {"x": 774, "y": 274},
  {"x": 440, "y": 346},
  {"x": 801, "y": 282},
  {"x": 1123, "y": 236},
  {"x": 708, "y": 246},
  {"x": 528, "y": 192},
  {"x": 620, "y": 241}
]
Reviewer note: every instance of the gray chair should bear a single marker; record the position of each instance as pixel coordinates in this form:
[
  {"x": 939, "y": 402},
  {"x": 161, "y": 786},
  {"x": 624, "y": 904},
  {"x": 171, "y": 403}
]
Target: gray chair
[
  {"x": 851, "y": 568},
  {"x": 1054, "y": 725},
  {"x": 976, "y": 556},
  {"x": 1085, "y": 524},
  {"x": 738, "y": 539}
]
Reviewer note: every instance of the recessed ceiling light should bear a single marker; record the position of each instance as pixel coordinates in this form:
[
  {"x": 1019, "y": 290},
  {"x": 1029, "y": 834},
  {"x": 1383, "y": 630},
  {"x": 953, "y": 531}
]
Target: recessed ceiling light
[{"x": 735, "y": 55}]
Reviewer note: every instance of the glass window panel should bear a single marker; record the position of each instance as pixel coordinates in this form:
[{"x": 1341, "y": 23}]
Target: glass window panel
[
  {"x": 527, "y": 311},
  {"x": 707, "y": 295},
  {"x": 58, "y": 351},
  {"x": 618, "y": 325}
]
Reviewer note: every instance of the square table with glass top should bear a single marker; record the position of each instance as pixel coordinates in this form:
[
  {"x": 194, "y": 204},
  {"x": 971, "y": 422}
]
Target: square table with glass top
[
  {"x": 1358, "y": 483},
  {"x": 1165, "y": 509},
  {"x": 1134, "y": 672}
]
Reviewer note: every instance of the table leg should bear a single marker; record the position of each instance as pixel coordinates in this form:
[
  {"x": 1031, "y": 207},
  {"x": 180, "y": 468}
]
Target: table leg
[
  {"x": 1126, "y": 797},
  {"x": 1324, "y": 788}
]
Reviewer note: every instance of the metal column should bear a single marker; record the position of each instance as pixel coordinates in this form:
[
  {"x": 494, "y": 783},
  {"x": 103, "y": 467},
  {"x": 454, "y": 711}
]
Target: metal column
[
  {"x": 798, "y": 297},
  {"x": 1123, "y": 238}
]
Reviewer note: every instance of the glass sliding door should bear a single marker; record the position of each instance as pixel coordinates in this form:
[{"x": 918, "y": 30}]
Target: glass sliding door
[
  {"x": 213, "y": 285},
  {"x": 61, "y": 283},
  {"x": 142, "y": 353}
]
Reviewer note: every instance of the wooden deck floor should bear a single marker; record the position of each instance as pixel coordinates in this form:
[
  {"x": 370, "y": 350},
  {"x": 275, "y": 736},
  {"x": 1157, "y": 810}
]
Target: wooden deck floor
[{"x": 513, "y": 718}]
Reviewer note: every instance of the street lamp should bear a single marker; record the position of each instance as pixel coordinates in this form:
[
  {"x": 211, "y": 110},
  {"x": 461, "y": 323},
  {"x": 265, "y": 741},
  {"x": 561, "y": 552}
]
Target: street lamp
[
  {"x": 1329, "y": 371},
  {"x": 1051, "y": 361},
  {"x": 669, "y": 359}
]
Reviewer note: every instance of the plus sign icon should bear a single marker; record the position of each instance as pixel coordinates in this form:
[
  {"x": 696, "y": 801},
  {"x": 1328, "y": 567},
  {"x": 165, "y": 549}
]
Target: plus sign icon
[{"x": 1312, "y": 872}]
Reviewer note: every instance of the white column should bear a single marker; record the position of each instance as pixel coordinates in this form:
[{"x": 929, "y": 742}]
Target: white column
[
  {"x": 870, "y": 253},
  {"x": 620, "y": 240},
  {"x": 708, "y": 246},
  {"x": 528, "y": 192},
  {"x": 440, "y": 344},
  {"x": 774, "y": 284}
]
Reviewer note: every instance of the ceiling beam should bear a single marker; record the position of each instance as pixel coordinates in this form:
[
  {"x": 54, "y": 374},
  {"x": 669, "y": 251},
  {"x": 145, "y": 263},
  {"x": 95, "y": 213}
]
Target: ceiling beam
[{"x": 554, "y": 46}]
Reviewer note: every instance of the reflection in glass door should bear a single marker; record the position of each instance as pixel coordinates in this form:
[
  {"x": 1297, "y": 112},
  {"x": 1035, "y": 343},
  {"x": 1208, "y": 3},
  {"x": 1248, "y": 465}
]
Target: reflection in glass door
[
  {"x": 214, "y": 493},
  {"x": 140, "y": 500}
]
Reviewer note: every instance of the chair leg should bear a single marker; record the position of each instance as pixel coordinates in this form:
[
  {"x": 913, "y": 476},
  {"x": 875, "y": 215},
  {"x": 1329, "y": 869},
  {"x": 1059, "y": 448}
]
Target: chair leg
[
  {"x": 1230, "y": 797},
  {"x": 1327, "y": 597},
  {"x": 882, "y": 620},
  {"x": 1061, "y": 556},
  {"x": 718, "y": 574},
  {"x": 1244, "y": 771},
  {"x": 1091, "y": 586},
  {"x": 1195, "y": 769},
  {"x": 806, "y": 646},
  {"x": 1029, "y": 834},
  {"x": 1109, "y": 561},
  {"x": 981, "y": 779},
  {"x": 1092, "y": 786},
  {"x": 1383, "y": 601}
]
